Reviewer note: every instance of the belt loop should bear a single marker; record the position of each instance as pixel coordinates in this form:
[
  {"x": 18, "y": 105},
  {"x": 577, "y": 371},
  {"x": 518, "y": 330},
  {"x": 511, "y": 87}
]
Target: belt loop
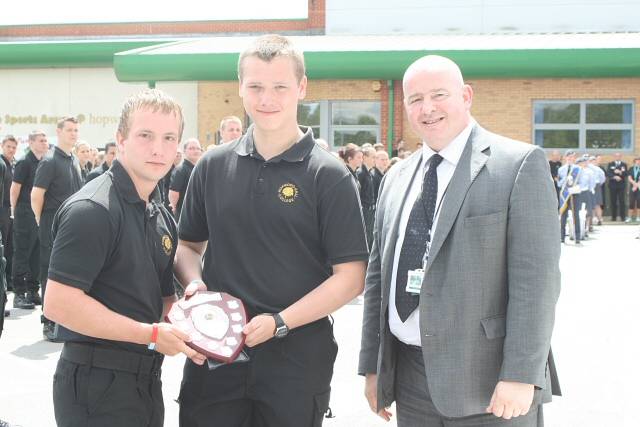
[{"x": 92, "y": 350}]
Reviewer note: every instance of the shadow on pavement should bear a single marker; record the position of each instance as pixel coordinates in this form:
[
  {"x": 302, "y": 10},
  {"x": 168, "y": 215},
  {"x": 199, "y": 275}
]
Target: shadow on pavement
[{"x": 38, "y": 350}]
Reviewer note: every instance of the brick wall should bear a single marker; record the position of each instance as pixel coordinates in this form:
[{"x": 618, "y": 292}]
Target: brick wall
[
  {"x": 505, "y": 106},
  {"x": 219, "y": 99},
  {"x": 502, "y": 106}
]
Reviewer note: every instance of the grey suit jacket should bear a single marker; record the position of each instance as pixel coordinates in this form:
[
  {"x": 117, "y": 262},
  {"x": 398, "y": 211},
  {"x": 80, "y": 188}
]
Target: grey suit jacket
[{"x": 488, "y": 298}]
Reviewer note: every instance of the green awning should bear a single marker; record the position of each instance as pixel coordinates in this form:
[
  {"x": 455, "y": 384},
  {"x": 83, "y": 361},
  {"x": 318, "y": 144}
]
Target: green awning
[
  {"x": 386, "y": 57},
  {"x": 68, "y": 53}
]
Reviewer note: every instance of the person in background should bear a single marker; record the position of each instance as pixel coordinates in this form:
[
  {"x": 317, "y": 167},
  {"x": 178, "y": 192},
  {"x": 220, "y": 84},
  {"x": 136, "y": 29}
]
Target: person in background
[
  {"x": 82, "y": 150},
  {"x": 9, "y": 147},
  {"x": 555, "y": 161},
  {"x": 352, "y": 156},
  {"x": 617, "y": 172},
  {"x": 180, "y": 179},
  {"x": 110, "y": 151},
  {"x": 634, "y": 190},
  {"x": 379, "y": 169},
  {"x": 367, "y": 190},
  {"x": 230, "y": 129},
  {"x": 57, "y": 177},
  {"x": 26, "y": 256},
  {"x": 600, "y": 179}
]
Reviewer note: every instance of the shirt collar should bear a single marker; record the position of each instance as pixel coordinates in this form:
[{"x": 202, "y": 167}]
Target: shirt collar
[
  {"x": 32, "y": 157},
  {"x": 296, "y": 153},
  {"x": 124, "y": 184},
  {"x": 453, "y": 151},
  {"x": 61, "y": 152}
]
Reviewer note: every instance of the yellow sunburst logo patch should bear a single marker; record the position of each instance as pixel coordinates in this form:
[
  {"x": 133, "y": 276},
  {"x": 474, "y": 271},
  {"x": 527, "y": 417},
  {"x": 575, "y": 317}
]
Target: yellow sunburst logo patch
[
  {"x": 167, "y": 244},
  {"x": 288, "y": 193}
]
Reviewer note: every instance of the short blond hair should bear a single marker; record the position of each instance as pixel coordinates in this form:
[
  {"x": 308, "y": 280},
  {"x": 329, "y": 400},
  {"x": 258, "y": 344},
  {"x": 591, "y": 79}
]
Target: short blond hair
[
  {"x": 66, "y": 119},
  {"x": 228, "y": 119},
  {"x": 271, "y": 46},
  {"x": 149, "y": 99},
  {"x": 80, "y": 144},
  {"x": 36, "y": 133}
]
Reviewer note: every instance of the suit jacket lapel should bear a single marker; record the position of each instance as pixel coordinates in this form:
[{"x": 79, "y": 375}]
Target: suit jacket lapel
[
  {"x": 401, "y": 187},
  {"x": 471, "y": 162}
]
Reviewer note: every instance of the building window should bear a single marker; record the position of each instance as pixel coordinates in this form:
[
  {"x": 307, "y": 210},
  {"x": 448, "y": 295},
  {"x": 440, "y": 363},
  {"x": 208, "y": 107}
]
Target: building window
[
  {"x": 342, "y": 122},
  {"x": 309, "y": 115},
  {"x": 584, "y": 125}
]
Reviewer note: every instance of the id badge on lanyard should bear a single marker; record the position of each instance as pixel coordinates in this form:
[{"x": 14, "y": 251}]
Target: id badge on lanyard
[{"x": 415, "y": 277}]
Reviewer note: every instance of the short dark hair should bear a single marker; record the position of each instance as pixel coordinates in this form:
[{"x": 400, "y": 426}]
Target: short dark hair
[{"x": 109, "y": 145}]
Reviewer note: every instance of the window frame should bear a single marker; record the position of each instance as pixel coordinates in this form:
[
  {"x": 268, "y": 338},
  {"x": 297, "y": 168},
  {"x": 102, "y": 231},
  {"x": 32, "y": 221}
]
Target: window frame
[
  {"x": 582, "y": 126},
  {"x": 327, "y": 127}
]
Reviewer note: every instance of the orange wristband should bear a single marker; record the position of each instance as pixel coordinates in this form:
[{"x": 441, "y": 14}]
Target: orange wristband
[{"x": 154, "y": 337}]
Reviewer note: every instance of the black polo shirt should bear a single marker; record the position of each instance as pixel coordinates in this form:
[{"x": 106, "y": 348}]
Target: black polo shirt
[
  {"x": 23, "y": 174},
  {"x": 179, "y": 181},
  {"x": 117, "y": 248},
  {"x": 367, "y": 194},
  {"x": 274, "y": 228},
  {"x": 163, "y": 186},
  {"x": 8, "y": 178},
  {"x": 59, "y": 174},
  {"x": 96, "y": 172},
  {"x": 377, "y": 178}
]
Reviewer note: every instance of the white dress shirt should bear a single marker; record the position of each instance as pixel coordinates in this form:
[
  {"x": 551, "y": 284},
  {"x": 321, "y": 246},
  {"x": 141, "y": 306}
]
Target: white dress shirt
[{"x": 409, "y": 331}]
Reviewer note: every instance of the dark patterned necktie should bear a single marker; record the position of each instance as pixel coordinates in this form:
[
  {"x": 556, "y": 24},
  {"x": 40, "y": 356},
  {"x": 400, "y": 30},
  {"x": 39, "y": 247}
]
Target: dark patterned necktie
[{"x": 416, "y": 235}]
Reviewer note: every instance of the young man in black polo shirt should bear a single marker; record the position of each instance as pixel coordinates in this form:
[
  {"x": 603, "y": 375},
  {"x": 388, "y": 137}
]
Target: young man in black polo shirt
[
  {"x": 109, "y": 155},
  {"x": 282, "y": 227},
  {"x": 58, "y": 176},
  {"x": 180, "y": 178},
  {"x": 111, "y": 278},
  {"x": 26, "y": 257},
  {"x": 9, "y": 146}
]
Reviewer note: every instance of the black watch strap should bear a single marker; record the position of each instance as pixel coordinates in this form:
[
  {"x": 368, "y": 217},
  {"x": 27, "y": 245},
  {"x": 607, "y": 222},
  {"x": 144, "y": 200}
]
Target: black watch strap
[{"x": 281, "y": 328}]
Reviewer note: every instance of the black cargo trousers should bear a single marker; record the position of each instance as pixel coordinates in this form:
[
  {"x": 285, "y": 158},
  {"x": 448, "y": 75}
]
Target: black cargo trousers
[
  {"x": 286, "y": 383},
  {"x": 96, "y": 386}
]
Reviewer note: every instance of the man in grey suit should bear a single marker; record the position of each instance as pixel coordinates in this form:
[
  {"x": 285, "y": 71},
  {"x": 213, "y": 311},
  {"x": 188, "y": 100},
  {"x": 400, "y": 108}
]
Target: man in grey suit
[{"x": 463, "y": 276}]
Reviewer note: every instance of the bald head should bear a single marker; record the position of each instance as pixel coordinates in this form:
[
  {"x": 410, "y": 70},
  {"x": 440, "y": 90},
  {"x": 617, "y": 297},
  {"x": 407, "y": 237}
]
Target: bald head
[
  {"x": 437, "y": 101},
  {"x": 434, "y": 64}
]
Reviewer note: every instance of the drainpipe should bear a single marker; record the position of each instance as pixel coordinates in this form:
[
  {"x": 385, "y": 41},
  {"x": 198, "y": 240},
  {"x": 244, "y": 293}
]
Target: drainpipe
[{"x": 391, "y": 118}]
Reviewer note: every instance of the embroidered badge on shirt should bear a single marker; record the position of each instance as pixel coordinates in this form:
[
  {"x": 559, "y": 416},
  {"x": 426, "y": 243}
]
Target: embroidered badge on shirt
[
  {"x": 288, "y": 193},
  {"x": 167, "y": 244}
]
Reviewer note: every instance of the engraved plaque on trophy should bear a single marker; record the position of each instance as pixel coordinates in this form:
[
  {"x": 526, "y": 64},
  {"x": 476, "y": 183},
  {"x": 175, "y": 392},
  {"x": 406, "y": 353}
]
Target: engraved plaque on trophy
[{"x": 214, "y": 320}]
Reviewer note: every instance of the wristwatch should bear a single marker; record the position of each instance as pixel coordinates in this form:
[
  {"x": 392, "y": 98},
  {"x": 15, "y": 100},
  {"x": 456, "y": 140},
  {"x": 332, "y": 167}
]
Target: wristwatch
[{"x": 281, "y": 328}]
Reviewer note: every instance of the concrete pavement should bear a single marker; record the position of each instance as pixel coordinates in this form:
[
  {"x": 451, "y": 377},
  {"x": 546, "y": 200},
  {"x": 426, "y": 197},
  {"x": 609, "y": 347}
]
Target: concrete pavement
[{"x": 595, "y": 345}]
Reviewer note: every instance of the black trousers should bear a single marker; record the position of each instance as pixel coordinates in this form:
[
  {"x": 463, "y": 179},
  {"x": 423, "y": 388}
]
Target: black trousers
[
  {"x": 369, "y": 215},
  {"x": 286, "y": 383},
  {"x": 26, "y": 255},
  {"x": 6, "y": 225},
  {"x": 617, "y": 203},
  {"x": 100, "y": 387},
  {"x": 46, "y": 244},
  {"x": 3, "y": 288}
]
